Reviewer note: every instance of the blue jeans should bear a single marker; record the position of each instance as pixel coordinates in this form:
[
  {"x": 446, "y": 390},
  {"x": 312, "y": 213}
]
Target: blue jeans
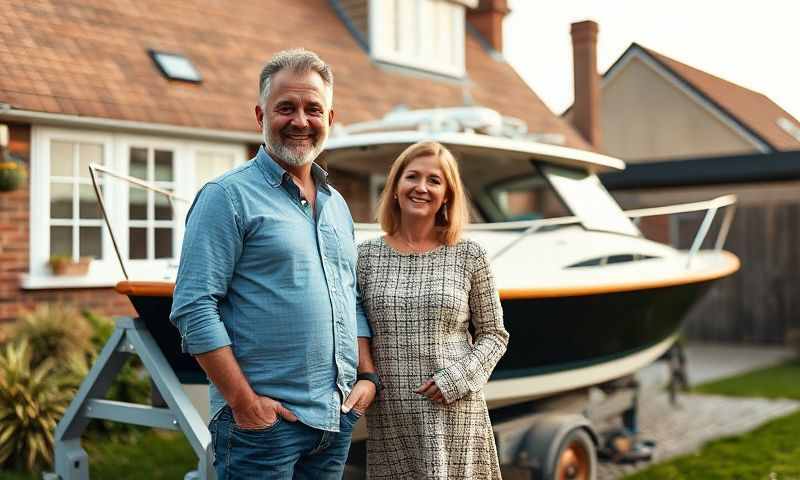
[{"x": 283, "y": 451}]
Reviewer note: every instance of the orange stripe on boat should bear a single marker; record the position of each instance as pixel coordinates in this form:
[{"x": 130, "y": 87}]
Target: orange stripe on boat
[
  {"x": 145, "y": 289},
  {"x": 731, "y": 265}
]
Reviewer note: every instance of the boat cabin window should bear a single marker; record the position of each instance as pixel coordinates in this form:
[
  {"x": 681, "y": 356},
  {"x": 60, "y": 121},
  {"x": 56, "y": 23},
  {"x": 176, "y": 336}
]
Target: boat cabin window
[
  {"x": 529, "y": 198},
  {"x": 611, "y": 259}
]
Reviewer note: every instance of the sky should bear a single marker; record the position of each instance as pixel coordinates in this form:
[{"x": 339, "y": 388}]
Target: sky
[{"x": 753, "y": 44}]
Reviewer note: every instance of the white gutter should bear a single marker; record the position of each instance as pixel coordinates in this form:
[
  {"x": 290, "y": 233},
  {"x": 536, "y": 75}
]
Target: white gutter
[{"x": 107, "y": 124}]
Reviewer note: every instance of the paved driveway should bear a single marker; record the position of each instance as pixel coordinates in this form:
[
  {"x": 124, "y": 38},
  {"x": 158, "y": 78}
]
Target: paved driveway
[{"x": 700, "y": 418}]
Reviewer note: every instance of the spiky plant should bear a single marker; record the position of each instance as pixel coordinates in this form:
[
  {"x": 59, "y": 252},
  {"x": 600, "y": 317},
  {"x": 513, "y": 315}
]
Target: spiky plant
[
  {"x": 54, "y": 331},
  {"x": 32, "y": 400}
]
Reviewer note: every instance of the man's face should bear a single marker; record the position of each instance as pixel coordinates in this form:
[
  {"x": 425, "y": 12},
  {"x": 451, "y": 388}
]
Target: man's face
[{"x": 296, "y": 118}]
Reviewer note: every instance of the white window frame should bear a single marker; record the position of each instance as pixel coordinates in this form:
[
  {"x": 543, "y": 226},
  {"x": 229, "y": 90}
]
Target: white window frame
[
  {"x": 41, "y": 140},
  {"x": 410, "y": 33},
  {"x": 105, "y": 271},
  {"x": 144, "y": 267}
]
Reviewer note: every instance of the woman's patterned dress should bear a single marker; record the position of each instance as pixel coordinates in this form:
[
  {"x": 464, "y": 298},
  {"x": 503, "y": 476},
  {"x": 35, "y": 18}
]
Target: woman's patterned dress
[{"x": 420, "y": 306}]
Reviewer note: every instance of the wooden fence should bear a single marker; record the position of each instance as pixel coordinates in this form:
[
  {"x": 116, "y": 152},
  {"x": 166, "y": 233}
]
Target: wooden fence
[{"x": 761, "y": 302}]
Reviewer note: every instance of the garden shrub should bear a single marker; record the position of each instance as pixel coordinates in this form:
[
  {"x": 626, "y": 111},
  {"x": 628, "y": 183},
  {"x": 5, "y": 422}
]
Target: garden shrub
[
  {"x": 32, "y": 401},
  {"x": 54, "y": 331}
]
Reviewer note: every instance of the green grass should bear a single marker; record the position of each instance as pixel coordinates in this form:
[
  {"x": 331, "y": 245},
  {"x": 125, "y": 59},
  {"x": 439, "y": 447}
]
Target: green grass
[
  {"x": 771, "y": 452},
  {"x": 781, "y": 381},
  {"x": 152, "y": 455}
]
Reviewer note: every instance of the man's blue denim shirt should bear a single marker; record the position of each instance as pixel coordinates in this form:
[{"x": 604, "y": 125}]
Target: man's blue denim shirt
[{"x": 259, "y": 274}]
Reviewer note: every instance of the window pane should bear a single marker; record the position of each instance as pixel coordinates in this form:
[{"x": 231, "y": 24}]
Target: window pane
[
  {"x": 90, "y": 242},
  {"x": 137, "y": 208},
  {"x": 209, "y": 165},
  {"x": 89, "y": 153},
  {"x": 61, "y": 200},
  {"x": 138, "y": 163},
  {"x": 137, "y": 239},
  {"x": 163, "y": 243},
  {"x": 61, "y": 159},
  {"x": 89, "y": 208},
  {"x": 61, "y": 241},
  {"x": 163, "y": 207},
  {"x": 164, "y": 166}
]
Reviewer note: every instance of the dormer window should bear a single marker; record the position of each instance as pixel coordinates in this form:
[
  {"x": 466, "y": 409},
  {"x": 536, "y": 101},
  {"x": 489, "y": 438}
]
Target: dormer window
[{"x": 422, "y": 34}]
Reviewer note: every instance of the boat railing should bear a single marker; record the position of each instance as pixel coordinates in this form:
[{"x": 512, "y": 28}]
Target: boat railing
[
  {"x": 94, "y": 169},
  {"x": 711, "y": 207}
]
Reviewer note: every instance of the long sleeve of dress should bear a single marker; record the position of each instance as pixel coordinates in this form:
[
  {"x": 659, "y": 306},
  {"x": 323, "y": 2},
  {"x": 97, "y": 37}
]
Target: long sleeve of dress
[{"x": 470, "y": 373}]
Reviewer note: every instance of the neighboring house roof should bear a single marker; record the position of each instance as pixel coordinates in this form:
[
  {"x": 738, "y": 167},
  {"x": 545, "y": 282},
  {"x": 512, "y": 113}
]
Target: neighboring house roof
[
  {"x": 90, "y": 58},
  {"x": 705, "y": 171},
  {"x": 753, "y": 111}
]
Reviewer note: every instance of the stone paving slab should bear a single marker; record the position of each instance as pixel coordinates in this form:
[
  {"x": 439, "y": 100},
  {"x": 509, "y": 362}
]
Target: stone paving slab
[{"x": 697, "y": 420}]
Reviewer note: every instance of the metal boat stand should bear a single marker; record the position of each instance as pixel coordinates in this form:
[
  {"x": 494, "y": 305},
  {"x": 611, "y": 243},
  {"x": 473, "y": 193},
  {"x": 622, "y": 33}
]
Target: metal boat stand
[{"x": 130, "y": 337}]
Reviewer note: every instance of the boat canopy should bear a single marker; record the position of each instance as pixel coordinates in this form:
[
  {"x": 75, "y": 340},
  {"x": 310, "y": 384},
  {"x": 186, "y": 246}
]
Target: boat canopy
[
  {"x": 461, "y": 128},
  {"x": 374, "y": 152}
]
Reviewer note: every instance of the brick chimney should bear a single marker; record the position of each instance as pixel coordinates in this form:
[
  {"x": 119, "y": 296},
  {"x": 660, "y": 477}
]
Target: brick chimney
[
  {"x": 586, "y": 107},
  {"x": 487, "y": 18}
]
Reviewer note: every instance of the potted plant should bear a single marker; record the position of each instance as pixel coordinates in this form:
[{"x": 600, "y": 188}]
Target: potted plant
[
  {"x": 12, "y": 174},
  {"x": 62, "y": 265}
]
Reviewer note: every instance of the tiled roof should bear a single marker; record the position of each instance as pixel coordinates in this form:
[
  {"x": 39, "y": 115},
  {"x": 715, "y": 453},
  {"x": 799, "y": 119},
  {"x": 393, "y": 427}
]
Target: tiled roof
[
  {"x": 89, "y": 58},
  {"x": 753, "y": 110}
]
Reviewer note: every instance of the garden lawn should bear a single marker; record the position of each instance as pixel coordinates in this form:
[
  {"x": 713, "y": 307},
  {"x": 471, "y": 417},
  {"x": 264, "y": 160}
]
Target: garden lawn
[
  {"x": 770, "y": 452},
  {"x": 152, "y": 455},
  {"x": 781, "y": 381}
]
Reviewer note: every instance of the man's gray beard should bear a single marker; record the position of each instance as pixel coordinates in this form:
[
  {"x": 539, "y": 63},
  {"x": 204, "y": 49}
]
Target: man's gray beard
[{"x": 288, "y": 155}]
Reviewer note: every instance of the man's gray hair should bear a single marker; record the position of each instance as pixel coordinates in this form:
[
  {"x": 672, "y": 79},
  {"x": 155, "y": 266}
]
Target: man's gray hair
[{"x": 298, "y": 60}]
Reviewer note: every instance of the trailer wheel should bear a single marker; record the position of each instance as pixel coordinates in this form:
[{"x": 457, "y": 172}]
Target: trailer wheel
[
  {"x": 576, "y": 458},
  {"x": 560, "y": 447}
]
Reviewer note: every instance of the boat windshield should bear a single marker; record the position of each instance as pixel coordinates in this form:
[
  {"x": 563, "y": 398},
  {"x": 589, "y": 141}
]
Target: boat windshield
[
  {"x": 556, "y": 191},
  {"x": 588, "y": 199}
]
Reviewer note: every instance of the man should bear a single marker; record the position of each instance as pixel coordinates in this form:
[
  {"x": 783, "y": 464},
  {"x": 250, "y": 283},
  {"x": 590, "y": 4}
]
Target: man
[{"x": 266, "y": 297}]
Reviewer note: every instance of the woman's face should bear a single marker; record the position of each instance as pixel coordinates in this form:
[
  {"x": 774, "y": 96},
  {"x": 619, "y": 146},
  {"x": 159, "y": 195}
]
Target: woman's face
[{"x": 422, "y": 188}]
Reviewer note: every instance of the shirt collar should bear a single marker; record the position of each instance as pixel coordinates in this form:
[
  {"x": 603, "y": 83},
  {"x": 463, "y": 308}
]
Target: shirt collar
[{"x": 276, "y": 174}]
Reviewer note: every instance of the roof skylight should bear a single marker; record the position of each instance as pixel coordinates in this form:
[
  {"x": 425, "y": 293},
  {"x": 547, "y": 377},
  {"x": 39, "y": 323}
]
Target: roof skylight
[
  {"x": 789, "y": 127},
  {"x": 175, "y": 66}
]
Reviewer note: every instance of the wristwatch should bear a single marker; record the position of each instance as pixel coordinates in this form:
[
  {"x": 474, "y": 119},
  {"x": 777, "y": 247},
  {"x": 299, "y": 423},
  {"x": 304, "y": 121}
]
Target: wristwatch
[{"x": 372, "y": 377}]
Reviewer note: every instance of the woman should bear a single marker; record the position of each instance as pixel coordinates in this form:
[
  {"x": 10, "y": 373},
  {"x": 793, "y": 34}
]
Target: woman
[{"x": 421, "y": 288}]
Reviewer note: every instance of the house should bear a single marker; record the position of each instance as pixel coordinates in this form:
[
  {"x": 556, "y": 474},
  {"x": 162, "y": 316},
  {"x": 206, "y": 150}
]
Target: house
[
  {"x": 648, "y": 106},
  {"x": 165, "y": 91},
  {"x": 690, "y": 136}
]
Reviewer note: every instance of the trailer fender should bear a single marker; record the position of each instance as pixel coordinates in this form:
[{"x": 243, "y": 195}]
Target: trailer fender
[{"x": 546, "y": 439}]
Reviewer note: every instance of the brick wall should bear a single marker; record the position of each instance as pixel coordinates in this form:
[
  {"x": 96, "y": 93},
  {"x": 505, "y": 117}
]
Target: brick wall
[{"x": 14, "y": 251}]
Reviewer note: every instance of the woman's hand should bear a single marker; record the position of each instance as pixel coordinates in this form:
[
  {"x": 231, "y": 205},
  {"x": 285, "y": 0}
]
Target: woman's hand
[{"x": 431, "y": 390}]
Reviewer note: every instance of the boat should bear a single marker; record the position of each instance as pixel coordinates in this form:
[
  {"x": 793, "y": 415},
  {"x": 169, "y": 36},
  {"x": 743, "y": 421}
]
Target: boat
[{"x": 586, "y": 297}]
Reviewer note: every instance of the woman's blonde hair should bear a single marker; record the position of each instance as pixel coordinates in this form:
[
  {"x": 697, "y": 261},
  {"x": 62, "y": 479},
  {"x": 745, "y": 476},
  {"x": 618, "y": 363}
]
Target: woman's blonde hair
[{"x": 452, "y": 217}]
